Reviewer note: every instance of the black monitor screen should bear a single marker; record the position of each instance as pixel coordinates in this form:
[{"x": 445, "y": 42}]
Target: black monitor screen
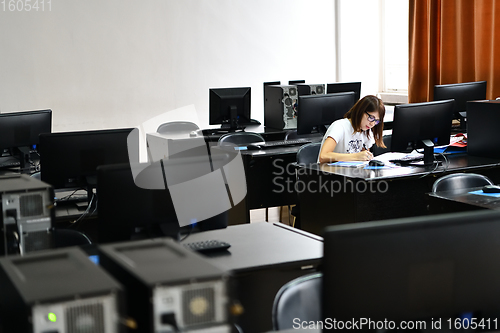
[
  {"x": 316, "y": 112},
  {"x": 230, "y": 107},
  {"x": 345, "y": 87},
  {"x": 433, "y": 268},
  {"x": 21, "y": 129},
  {"x": 70, "y": 159},
  {"x": 149, "y": 212},
  {"x": 416, "y": 122},
  {"x": 461, "y": 93}
]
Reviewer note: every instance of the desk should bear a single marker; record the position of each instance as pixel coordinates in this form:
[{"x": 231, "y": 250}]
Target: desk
[
  {"x": 357, "y": 194},
  {"x": 462, "y": 200},
  {"x": 262, "y": 258}
]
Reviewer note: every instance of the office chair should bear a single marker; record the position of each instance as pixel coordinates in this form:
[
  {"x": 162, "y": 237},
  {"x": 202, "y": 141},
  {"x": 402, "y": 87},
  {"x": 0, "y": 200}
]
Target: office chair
[
  {"x": 376, "y": 150},
  {"x": 307, "y": 154},
  {"x": 177, "y": 127},
  {"x": 457, "y": 181},
  {"x": 299, "y": 298},
  {"x": 240, "y": 138}
]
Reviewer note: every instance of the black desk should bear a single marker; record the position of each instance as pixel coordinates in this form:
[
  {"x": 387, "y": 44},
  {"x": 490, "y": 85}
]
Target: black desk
[
  {"x": 357, "y": 194},
  {"x": 262, "y": 258},
  {"x": 461, "y": 200}
]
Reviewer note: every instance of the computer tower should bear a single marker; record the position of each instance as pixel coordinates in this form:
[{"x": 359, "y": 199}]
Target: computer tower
[
  {"x": 26, "y": 214},
  {"x": 280, "y": 106},
  {"x": 59, "y": 290},
  {"x": 482, "y": 132},
  {"x": 310, "y": 89},
  {"x": 169, "y": 288}
]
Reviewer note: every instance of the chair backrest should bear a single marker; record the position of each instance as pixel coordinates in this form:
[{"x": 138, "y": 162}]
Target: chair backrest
[
  {"x": 299, "y": 298},
  {"x": 177, "y": 127},
  {"x": 457, "y": 181},
  {"x": 240, "y": 138},
  {"x": 308, "y": 153}
]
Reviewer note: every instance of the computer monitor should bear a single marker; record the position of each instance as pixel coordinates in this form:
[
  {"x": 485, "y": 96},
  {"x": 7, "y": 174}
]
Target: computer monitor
[
  {"x": 230, "y": 107},
  {"x": 317, "y": 112},
  {"x": 20, "y": 131},
  {"x": 422, "y": 125},
  {"x": 461, "y": 93},
  {"x": 127, "y": 211},
  {"x": 344, "y": 87},
  {"x": 295, "y": 82},
  {"x": 69, "y": 159},
  {"x": 429, "y": 268}
]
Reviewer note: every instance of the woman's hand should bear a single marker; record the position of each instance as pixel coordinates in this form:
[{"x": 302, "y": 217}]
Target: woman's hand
[{"x": 364, "y": 155}]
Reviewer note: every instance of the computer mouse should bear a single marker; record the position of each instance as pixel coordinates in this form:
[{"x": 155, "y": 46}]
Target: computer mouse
[
  {"x": 376, "y": 163},
  {"x": 491, "y": 189}
]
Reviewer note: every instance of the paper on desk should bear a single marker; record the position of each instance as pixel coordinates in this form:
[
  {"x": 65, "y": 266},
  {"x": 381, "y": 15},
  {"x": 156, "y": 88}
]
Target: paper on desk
[{"x": 386, "y": 157}]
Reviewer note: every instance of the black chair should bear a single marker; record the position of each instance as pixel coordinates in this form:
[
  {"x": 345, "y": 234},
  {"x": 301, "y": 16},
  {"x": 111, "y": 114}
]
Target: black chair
[
  {"x": 457, "y": 181},
  {"x": 376, "y": 150},
  {"x": 177, "y": 127},
  {"x": 299, "y": 298},
  {"x": 307, "y": 154},
  {"x": 240, "y": 138}
]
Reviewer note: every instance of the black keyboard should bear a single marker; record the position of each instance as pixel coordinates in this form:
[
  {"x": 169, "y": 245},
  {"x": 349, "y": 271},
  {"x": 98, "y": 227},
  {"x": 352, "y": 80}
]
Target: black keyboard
[
  {"x": 408, "y": 159},
  {"x": 9, "y": 162},
  {"x": 285, "y": 143},
  {"x": 208, "y": 246}
]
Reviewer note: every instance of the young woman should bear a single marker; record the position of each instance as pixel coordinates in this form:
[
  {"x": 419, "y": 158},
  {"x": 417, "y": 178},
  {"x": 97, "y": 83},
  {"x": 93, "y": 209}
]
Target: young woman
[{"x": 350, "y": 138}]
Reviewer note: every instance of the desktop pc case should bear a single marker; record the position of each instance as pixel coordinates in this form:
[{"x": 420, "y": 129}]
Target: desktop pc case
[
  {"x": 26, "y": 214},
  {"x": 310, "y": 89},
  {"x": 60, "y": 291},
  {"x": 482, "y": 130},
  {"x": 280, "y": 106},
  {"x": 170, "y": 288}
]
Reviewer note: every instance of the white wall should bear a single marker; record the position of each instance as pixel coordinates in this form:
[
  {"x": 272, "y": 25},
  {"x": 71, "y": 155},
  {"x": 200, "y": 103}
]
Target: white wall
[
  {"x": 360, "y": 44},
  {"x": 116, "y": 63}
]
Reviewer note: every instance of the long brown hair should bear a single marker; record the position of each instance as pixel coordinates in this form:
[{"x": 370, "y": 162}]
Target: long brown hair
[{"x": 368, "y": 103}]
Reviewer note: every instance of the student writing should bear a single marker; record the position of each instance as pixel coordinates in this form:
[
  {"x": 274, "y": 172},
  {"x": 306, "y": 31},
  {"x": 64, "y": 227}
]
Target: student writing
[{"x": 350, "y": 138}]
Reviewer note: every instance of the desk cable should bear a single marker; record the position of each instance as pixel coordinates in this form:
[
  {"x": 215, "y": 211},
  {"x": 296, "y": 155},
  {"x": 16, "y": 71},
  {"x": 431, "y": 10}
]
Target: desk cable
[
  {"x": 86, "y": 212},
  {"x": 447, "y": 164}
]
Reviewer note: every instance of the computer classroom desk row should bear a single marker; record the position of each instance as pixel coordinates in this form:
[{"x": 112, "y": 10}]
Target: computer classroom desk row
[{"x": 330, "y": 195}]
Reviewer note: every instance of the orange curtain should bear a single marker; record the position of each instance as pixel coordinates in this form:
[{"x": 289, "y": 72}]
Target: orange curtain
[{"x": 453, "y": 41}]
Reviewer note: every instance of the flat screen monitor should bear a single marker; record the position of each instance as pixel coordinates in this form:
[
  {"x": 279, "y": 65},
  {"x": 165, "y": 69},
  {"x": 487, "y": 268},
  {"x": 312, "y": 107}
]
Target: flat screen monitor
[
  {"x": 344, "y": 87},
  {"x": 128, "y": 212},
  {"x": 422, "y": 125},
  {"x": 461, "y": 93},
  {"x": 295, "y": 82},
  {"x": 20, "y": 131},
  {"x": 70, "y": 159},
  {"x": 230, "y": 107},
  {"x": 317, "y": 112},
  {"x": 436, "y": 269}
]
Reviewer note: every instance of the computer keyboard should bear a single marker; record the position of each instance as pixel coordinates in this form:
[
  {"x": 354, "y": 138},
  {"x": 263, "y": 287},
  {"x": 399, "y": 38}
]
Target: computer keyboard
[
  {"x": 284, "y": 143},
  {"x": 9, "y": 162},
  {"x": 208, "y": 246},
  {"x": 410, "y": 158}
]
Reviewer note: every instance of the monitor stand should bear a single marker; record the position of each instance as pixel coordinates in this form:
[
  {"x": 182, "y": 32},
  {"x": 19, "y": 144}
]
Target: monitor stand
[
  {"x": 428, "y": 152},
  {"x": 24, "y": 159}
]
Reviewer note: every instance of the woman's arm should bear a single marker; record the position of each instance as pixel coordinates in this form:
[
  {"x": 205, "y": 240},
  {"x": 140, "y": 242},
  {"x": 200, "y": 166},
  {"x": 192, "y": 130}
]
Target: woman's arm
[{"x": 326, "y": 155}]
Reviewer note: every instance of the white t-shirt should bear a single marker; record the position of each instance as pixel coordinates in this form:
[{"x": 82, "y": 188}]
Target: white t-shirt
[{"x": 348, "y": 141}]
